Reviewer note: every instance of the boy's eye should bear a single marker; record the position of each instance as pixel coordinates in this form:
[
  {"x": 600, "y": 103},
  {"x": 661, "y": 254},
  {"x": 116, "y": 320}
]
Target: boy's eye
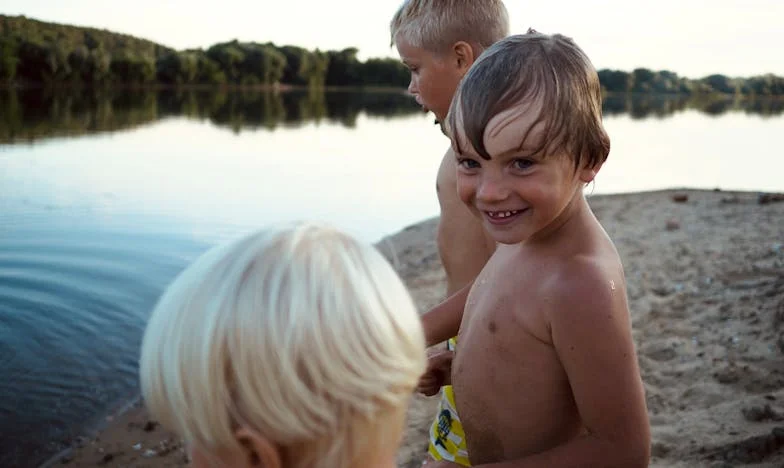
[
  {"x": 467, "y": 163},
  {"x": 523, "y": 164}
]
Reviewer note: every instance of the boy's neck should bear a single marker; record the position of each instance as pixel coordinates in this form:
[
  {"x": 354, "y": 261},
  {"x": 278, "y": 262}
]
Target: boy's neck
[{"x": 572, "y": 220}]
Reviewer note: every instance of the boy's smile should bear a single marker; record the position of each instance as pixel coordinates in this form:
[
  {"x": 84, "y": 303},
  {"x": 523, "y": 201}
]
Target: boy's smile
[
  {"x": 519, "y": 192},
  {"x": 501, "y": 218}
]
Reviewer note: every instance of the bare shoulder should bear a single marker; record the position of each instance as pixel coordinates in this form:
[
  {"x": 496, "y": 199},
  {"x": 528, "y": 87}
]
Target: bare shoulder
[
  {"x": 590, "y": 327},
  {"x": 588, "y": 286}
]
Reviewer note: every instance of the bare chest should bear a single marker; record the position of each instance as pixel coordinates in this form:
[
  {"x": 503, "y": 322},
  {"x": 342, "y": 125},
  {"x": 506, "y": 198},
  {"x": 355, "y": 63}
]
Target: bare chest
[{"x": 510, "y": 388}]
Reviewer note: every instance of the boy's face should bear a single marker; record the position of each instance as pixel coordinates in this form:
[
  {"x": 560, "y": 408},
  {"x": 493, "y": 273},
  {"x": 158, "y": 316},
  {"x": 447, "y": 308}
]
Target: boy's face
[
  {"x": 518, "y": 195},
  {"x": 434, "y": 77}
]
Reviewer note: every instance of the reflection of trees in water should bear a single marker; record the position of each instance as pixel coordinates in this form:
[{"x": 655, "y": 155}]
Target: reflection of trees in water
[
  {"x": 644, "y": 106},
  {"x": 31, "y": 115}
]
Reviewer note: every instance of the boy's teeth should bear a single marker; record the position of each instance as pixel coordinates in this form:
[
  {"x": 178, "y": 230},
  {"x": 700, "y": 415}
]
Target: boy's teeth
[{"x": 502, "y": 214}]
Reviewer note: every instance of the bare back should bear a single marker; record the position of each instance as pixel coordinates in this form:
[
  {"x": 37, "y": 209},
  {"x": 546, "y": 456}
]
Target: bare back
[
  {"x": 511, "y": 388},
  {"x": 463, "y": 244}
]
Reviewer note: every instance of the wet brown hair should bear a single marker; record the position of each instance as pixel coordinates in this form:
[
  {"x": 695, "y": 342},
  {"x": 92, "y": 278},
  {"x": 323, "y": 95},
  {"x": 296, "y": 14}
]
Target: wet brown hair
[{"x": 548, "y": 70}]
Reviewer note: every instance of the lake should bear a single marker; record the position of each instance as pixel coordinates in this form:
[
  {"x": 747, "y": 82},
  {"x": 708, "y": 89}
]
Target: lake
[{"x": 106, "y": 196}]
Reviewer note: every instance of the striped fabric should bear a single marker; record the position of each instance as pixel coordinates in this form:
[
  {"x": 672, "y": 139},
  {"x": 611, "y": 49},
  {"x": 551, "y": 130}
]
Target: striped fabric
[{"x": 447, "y": 439}]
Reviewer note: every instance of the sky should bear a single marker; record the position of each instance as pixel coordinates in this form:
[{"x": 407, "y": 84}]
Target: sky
[{"x": 693, "y": 38}]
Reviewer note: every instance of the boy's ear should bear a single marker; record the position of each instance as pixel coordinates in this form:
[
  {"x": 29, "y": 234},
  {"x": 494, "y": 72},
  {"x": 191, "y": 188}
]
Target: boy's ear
[
  {"x": 588, "y": 174},
  {"x": 464, "y": 56},
  {"x": 258, "y": 450}
]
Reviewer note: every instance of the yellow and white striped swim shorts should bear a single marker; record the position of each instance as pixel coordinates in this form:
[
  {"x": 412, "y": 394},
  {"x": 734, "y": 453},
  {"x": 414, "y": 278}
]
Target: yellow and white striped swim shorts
[{"x": 447, "y": 439}]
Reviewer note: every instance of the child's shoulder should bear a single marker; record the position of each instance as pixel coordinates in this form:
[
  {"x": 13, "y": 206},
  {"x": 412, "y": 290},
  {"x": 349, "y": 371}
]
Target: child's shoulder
[
  {"x": 592, "y": 280},
  {"x": 588, "y": 270}
]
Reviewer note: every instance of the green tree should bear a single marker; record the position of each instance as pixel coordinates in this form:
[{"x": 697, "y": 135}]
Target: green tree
[
  {"x": 229, "y": 56},
  {"x": 314, "y": 67},
  {"x": 99, "y": 62},
  {"x": 262, "y": 62},
  {"x": 615, "y": 81},
  {"x": 384, "y": 72},
  {"x": 642, "y": 80},
  {"x": 130, "y": 68},
  {"x": 8, "y": 59},
  {"x": 297, "y": 60},
  {"x": 343, "y": 68},
  {"x": 178, "y": 68},
  {"x": 720, "y": 83},
  {"x": 209, "y": 72}
]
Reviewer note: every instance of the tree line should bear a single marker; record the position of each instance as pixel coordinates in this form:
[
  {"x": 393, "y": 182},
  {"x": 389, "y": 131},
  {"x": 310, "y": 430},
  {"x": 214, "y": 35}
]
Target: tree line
[
  {"x": 39, "y": 53},
  {"x": 34, "y": 53}
]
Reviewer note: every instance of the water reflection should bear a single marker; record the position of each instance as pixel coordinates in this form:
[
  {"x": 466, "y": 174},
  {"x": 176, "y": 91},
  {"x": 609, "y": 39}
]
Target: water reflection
[
  {"x": 660, "y": 106},
  {"x": 32, "y": 115}
]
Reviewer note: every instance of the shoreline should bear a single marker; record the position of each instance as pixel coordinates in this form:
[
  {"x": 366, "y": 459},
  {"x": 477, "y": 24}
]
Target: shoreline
[
  {"x": 730, "y": 413},
  {"x": 102, "y": 422}
]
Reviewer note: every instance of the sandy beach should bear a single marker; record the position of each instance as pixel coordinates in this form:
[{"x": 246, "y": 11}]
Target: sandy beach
[{"x": 705, "y": 271}]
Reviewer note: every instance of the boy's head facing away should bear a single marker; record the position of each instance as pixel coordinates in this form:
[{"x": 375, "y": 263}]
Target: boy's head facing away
[
  {"x": 295, "y": 347},
  {"x": 439, "y": 40},
  {"x": 533, "y": 93}
]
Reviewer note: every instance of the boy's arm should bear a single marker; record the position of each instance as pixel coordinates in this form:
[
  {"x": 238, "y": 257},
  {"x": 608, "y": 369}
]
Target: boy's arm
[
  {"x": 592, "y": 336},
  {"x": 443, "y": 321}
]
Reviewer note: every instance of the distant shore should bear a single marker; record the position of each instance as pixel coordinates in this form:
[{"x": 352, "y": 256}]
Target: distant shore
[
  {"x": 274, "y": 88},
  {"x": 706, "y": 288}
]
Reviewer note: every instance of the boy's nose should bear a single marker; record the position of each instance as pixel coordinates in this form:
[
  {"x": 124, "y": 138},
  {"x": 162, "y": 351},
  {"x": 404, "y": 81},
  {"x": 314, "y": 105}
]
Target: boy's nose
[
  {"x": 491, "y": 189},
  {"x": 412, "y": 87}
]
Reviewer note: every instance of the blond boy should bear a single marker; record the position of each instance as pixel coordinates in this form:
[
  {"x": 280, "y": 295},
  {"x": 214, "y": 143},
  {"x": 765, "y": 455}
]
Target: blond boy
[
  {"x": 546, "y": 372},
  {"x": 288, "y": 348},
  {"x": 439, "y": 40}
]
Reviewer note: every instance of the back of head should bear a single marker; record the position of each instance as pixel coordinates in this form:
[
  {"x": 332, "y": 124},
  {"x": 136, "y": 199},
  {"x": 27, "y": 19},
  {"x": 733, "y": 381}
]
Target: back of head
[
  {"x": 436, "y": 25},
  {"x": 534, "y": 73},
  {"x": 303, "y": 334}
]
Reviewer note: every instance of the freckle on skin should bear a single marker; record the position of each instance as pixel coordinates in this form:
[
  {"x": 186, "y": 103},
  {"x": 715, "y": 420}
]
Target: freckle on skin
[{"x": 492, "y": 327}]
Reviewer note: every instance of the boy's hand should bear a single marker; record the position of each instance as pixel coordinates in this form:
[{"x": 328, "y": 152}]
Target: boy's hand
[{"x": 438, "y": 373}]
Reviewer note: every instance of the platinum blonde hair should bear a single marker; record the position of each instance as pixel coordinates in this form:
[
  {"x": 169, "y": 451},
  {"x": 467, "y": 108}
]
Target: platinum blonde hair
[
  {"x": 436, "y": 25},
  {"x": 302, "y": 333}
]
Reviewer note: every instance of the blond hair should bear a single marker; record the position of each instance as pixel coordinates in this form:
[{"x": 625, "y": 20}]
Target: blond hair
[
  {"x": 436, "y": 25},
  {"x": 303, "y": 334},
  {"x": 548, "y": 74}
]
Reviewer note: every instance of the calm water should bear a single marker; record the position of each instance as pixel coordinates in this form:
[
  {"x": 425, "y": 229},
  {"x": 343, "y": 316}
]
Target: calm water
[{"x": 104, "y": 198}]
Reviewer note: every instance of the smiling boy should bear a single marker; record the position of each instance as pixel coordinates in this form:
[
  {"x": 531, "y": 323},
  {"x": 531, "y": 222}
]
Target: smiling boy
[{"x": 546, "y": 372}]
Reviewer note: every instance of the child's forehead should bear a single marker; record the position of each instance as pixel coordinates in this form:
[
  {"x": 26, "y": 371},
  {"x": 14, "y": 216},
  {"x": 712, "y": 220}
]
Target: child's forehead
[
  {"x": 407, "y": 48},
  {"x": 520, "y": 126},
  {"x": 411, "y": 51}
]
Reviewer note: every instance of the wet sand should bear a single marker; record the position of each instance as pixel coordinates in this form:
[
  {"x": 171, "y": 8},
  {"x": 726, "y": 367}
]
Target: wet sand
[{"x": 705, "y": 273}]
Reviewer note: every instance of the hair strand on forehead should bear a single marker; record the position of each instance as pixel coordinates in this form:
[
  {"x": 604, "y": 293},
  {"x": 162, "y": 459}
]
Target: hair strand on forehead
[{"x": 548, "y": 74}]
